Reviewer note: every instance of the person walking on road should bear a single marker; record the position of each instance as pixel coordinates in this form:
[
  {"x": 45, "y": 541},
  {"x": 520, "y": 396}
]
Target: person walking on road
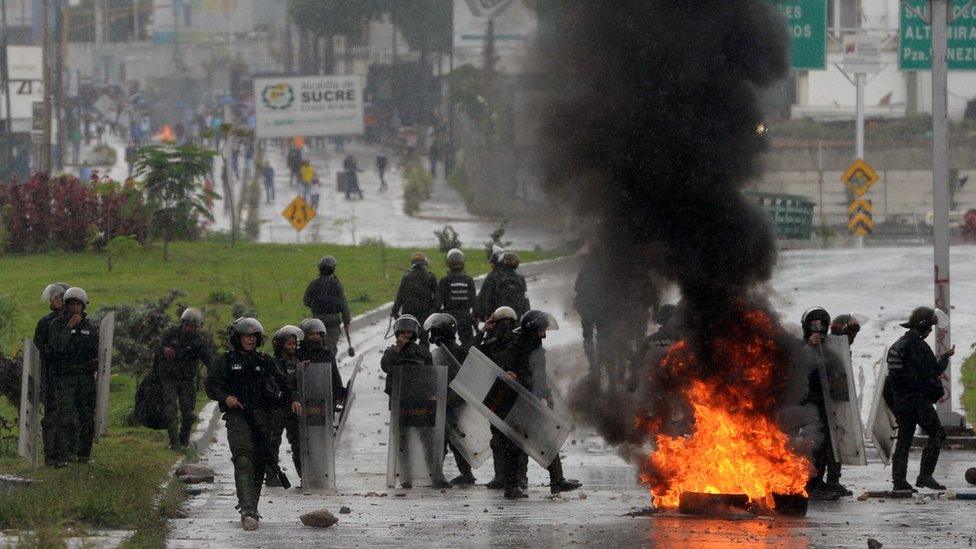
[
  {"x": 352, "y": 177},
  {"x": 326, "y": 297},
  {"x": 913, "y": 387},
  {"x": 181, "y": 351},
  {"x": 269, "y": 182},
  {"x": 417, "y": 294},
  {"x": 382, "y": 163},
  {"x": 307, "y": 174}
]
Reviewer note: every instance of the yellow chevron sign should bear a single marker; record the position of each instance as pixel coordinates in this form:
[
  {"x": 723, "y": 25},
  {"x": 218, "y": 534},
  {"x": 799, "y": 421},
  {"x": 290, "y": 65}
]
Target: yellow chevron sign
[
  {"x": 861, "y": 223},
  {"x": 860, "y": 205},
  {"x": 860, "y": 177}
]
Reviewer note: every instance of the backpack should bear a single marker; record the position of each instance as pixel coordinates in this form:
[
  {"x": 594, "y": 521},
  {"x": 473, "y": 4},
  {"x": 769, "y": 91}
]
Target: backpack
[
  {"x": 150, "y": 406},
  {"x": 509, "y": 292}
]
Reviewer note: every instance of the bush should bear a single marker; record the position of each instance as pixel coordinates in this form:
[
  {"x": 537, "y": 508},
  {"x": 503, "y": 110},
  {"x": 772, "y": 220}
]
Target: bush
[
  {"x": 418, "y": 186},
  {"x": 496, "y": 238},
  {"x": 447, "y": 239},
  {"x": 138, "y": 328}
]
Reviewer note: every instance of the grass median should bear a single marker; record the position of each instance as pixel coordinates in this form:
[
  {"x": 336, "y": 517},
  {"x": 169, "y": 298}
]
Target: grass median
[
  {"x": 118, "y": 490},
  {"x": 969, "y": 387}
]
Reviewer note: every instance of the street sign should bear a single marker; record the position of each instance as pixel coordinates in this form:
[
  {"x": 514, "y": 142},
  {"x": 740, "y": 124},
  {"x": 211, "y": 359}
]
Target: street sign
[
  {"x": 860, "y": 177},
  {"x": 862, "y": 54},
  {"x": 860, "y": 205},
  {"x": 915, "y": 37},
  {"x": 860, "y": 224},
  {"x": 299, "y": 213},
  {"x": 806, "y": 22}
]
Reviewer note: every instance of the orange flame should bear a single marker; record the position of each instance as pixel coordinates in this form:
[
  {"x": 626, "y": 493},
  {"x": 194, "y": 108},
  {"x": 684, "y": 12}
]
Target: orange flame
[
  {"x": 735, "y": 447},
  {"x": 167, "y": 135}
]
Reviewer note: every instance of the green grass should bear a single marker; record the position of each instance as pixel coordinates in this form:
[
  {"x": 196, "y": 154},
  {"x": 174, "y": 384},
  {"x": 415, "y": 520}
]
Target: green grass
[
  {"x": 273, "y": 276},
  {"x": 969, "y": 387},
  {"x": 115, "y": 491}
]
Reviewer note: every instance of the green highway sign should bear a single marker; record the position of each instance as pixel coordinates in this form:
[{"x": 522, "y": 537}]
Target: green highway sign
[
  {"x": 915, "y": 37},
  {"x": 806, "y": 22}
]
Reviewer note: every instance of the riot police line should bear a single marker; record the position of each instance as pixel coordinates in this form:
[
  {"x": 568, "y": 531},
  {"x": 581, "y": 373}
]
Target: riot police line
[{"x": 298, "y": 392}]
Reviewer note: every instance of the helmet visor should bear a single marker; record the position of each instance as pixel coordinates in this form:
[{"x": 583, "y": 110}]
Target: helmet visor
[
  {"x": 52, "y": 291},
  {"x": 941, "y": 319}
]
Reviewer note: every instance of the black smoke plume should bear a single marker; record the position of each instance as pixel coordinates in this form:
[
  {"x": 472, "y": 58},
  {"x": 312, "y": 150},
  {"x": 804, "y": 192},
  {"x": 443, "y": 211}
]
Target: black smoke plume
[{"x": 649, "y": 136}]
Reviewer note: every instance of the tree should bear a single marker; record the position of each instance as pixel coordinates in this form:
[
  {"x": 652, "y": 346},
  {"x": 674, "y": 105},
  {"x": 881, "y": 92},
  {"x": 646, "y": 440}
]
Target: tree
[
  {"x": 330, "y": 18},
  {"x": 173, "y": 181},
  {"x": 427, "y": 25}
]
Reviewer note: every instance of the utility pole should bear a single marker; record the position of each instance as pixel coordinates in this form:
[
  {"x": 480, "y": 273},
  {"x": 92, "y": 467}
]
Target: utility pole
[
  {"x": 5, "y": 86},
  {"x": 60, "y": 30},
  {"x": 939, "y": 10},
  {"x": 45, "y": 161}
]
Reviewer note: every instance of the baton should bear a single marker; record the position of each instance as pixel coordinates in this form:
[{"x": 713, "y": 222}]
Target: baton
[
  {"x": 350, "y": 350},
  {"x": 389, "y": 325}
]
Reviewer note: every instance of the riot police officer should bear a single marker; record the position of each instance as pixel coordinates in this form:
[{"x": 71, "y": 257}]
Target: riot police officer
[
  {"x": 442, "y": 331},
  {"x": 816, "y": 324},
  {"x": 72, "y": 353},
  {"x": 249, "y": 387},
  {"x": 285, "y": 345},
  {"x": 654, "y": 346},
  {"x": 913, "y": 386},
  {"x": 457, "y": 296},
  {"x": 417, "y": 294},
  {"x": 313, "y": 349},
  {"x": 497, "y": 335},
  {"x": 506, "y": 288},
  {"x": 181, "y": 349},
  {"x": 54, "y": 295},
  {"x": 525, "y": 360},
  {"x": 327, "y": 300},
  {"x": 406, "y": 351}
]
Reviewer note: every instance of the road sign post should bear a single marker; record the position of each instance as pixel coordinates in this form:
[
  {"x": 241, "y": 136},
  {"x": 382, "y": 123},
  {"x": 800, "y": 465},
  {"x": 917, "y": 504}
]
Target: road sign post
[
  {"x": 916, "y": 35},
  {"x": 807, "y": 27},
  {"x": 299, "y": 213}
]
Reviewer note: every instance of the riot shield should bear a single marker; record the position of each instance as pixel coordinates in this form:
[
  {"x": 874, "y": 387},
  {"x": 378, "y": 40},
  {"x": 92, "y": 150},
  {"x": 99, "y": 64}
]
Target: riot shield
[
  {"x": 467, "y": 429},
  {"x": 511, "y": 408},
  {"x": 340, "y": 423},
  {"x": 315, "y": 424},
  {"x": 559, "y": 406},
  {"x": 882, "y": 428},
  {"x": 417, "y": 409},
  {"x": 840, "y": 399},
  {"x": 106, "y": 335},
  {"x": 30, "y": 404}
]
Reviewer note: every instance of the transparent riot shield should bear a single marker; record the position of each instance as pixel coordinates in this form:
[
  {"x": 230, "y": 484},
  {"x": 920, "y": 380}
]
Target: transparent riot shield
[
  {"x": 882, "y": 428},
  {"x": 315, "y": 424},
  {"x": 467, "y": 429},
  {"x": 30, "y": 404},
  {"x": 106, "y": 336},
  {"x": 417, "y": 413},
  {"x": 559, "y": 406},
  {"x": 340, "y": 423},
  {"x": 840, "y": 398},
  {"x": 511, "y": 408}
]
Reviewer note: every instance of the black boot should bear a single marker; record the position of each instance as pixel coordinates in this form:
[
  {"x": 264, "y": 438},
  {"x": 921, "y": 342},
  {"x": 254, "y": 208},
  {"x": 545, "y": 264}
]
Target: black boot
[
  {"x": 514, "y": 492},
  {"x": 902, "y": 485},
  {"x": 836, "y": 487},
  {"x": 496, "y": 483},
  {"x": 564, "y": 485},
  {"x": 463, "y": 480},
  {"x": 928, "y": 482}
]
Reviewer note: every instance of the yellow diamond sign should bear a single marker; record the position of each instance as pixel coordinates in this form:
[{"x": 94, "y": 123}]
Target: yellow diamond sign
[
  {"x": 299, "y": 213},
  {"x": 860, "y": 177}
]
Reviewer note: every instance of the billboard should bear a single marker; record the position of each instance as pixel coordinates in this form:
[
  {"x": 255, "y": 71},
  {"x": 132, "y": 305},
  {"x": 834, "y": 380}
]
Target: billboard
[
  {"x": 26, "y": 81},
  {"x": 309, "y": 106},
  {"x": 514, "y": 26}
]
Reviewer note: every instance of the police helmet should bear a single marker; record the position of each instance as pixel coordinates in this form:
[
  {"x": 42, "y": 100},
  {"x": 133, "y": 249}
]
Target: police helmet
[
  {"x": 327, "y": 265},
  {"x": 311, "y": 326},
  {"x": 441, "y": 327},
  {"x": 504, "y": 313},
  {"x": 289, "y": 330},
  {"x": 497, "y": 252},
  {"x": 534, "y": 321},
  {"x": 243, "y": 326},
  {"x": 76, "y": 294},
  {"x": 455, "y": 258},
  {"x": 54, "y": 290},
  {"x": 512, "y": 260},
  {"x": 193, "y": 316},
  {"x": 815, "y": 314},
  {"x": 924, "y": 318},
  {"x": 407, "y": 323}
]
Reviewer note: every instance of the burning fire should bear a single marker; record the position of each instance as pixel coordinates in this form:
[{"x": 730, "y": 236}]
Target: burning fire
[{"x": 735, "y": 446}]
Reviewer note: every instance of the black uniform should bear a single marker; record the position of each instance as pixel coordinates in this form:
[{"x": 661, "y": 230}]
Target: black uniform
[
  {"x": 417, "y": 295},
  {"x": 255, "y": 380},
  {"x": 327, "y": 300},
  {"x": 308, "y": 351},
  {"x": 458, "y": 298},
  {"x": 72, "y": 355},
  {"x": 492, "y": 344},
  {"x": 503, "y": 287},
  {"x": 526, "y": 358},
  {"x": 41, "y": 334},
  {"x": 912, "y": 387},
  {"x": 412, "y": 354},
  {"x": 287, "y": 420},
  {"x": 460, "y": 354},
  {"x": 180, "y": 377}
]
